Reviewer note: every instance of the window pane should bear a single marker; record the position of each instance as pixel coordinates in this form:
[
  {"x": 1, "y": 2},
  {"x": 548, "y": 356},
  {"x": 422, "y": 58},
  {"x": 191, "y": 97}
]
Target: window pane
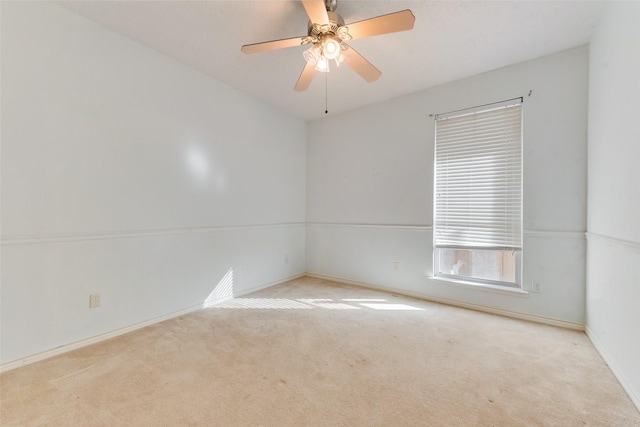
[{"x": 485, "y": 264}]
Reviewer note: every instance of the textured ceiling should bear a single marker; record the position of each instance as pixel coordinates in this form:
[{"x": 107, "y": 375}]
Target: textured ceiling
[{"x": 450, "y": 40}]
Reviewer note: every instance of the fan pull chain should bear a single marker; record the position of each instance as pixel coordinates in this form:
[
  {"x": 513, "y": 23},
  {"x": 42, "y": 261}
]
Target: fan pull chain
[{"x": 326, "y": 90}]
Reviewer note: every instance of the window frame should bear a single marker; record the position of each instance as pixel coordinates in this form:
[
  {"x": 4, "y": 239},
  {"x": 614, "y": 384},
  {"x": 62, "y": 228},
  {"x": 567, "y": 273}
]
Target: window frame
[{"x": 507, "y": 285}]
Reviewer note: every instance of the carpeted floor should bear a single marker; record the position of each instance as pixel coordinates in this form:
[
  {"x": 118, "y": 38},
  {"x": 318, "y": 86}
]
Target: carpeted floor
[{"x": 312, "y": 352}]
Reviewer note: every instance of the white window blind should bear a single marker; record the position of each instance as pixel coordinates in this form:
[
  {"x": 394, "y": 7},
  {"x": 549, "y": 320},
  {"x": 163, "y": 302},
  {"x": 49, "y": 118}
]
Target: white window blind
[{"x": 478, "y": 174}]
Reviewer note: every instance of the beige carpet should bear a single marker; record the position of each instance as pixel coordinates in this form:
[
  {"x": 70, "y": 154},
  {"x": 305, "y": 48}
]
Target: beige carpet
[{"x": 312, "y": 352}]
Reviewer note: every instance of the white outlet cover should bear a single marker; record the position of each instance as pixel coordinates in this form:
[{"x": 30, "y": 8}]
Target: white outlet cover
[{"x": 94, "y": 300}]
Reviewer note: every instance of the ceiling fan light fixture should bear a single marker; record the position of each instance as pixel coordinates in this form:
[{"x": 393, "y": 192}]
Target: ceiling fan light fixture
[
  {"x": 321, "y": 53},
  {"x": 323, "y": 65},
  {"x": 331, "y": 49},
  {"x": 312, "y": 55}
]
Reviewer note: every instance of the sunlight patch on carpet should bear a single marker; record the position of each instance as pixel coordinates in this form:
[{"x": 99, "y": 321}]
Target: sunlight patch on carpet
[
  {"x": 264, "y": 303},
  {"x": 312, "y": 303},
  {"x": 391, "y": 306}
]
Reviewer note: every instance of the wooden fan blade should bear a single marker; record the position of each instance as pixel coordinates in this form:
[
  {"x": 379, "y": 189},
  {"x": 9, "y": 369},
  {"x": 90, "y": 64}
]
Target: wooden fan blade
[
  {"x": 305, "y": 78},
  {"x": 391, "y": 23},
  {"x": 360, "y": 65},
  {"x": 317, "y": 11},
  {"x": 271, "y": 45}
]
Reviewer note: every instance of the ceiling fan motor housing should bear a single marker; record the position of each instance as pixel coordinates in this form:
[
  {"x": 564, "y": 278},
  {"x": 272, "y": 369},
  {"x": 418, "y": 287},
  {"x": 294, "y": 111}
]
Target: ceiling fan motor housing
[{"x": 331, "y": 5}]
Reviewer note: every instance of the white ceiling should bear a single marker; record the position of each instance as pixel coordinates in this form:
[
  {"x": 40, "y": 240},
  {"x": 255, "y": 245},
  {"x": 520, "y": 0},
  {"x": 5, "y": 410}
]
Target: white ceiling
[{"x": 450, "y": 40}]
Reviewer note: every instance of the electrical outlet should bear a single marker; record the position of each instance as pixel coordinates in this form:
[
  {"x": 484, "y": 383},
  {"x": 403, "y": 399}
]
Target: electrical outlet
[
  {"x": 396, "y": 266},
  {"x": 536, "y": 287},
  {"x": 94, "y": 300},
  {"x": 286, "y": 259}
]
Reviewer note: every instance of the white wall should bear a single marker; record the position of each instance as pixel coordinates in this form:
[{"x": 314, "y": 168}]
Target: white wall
[
  {"x": 370, "y": 188},
  {"x": 129, "y": 174},
  {"x": 613, "y": 269}
]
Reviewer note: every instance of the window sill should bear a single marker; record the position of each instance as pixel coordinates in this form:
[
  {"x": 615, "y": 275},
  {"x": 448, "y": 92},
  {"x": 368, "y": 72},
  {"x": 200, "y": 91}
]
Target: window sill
[{"x": 481, "y": 286}]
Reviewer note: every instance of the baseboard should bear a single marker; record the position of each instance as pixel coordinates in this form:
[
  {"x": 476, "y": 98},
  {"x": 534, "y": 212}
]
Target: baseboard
[
  {"x": 121, "y": 331},
  {"x": 506, "y": 313},
  {"x": 616, "y": 372}
]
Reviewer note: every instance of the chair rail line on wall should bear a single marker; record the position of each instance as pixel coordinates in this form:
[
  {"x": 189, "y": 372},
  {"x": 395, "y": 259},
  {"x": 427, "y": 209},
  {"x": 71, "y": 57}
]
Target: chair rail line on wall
[{"x": 127, "y": 234}]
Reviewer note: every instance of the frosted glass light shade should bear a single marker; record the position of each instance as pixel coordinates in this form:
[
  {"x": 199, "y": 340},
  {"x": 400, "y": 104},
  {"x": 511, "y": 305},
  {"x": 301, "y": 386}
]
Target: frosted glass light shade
[
  {"x": 323, "y": 65},
  {"x": 311, "y": 55},
  {"x": 331, "y": 49}
]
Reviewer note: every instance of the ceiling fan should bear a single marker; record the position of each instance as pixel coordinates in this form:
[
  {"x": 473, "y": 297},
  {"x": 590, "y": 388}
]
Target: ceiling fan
[{"x": 328, "y": 34}]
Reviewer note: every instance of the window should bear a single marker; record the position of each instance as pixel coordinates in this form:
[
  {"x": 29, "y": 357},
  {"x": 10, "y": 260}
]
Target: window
[{"x": 478, "y": 195}]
